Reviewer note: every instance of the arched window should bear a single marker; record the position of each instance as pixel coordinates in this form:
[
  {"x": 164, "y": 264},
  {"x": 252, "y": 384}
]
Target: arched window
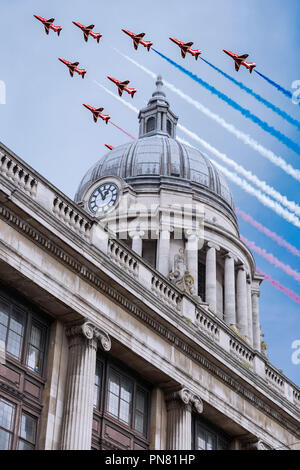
[
  {"x": 169, "y": 127},
  {"x": 150, "y": 124}
]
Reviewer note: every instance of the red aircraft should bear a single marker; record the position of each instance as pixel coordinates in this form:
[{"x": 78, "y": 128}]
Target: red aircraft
[
  {"x": 87, "y": 31},
  {"x": 186, "y": 47},
  {"x": 73, "y": 67},
  {"x": 137, "y": 39},
  {"x": 97, "y": 113},
  {"x": 122, "y": 86},
  {"x": 110, "y": 147},
  {"x": 48, "y": 24},
  {"x": 240, "y": 60}
]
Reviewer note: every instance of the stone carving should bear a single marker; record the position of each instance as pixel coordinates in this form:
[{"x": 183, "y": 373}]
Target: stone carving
[
  {"x": 187, "y": 397},
  {"x": 90, "y": 332},
  {"x": 263, "y": 346},
  {"x": 180, "y": 276}
]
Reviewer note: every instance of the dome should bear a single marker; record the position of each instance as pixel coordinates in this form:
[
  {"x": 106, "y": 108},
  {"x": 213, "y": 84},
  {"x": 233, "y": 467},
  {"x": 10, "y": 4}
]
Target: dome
[{"x": 156, "y": 159}]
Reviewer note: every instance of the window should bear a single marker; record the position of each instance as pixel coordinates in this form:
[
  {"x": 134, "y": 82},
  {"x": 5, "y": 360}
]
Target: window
[
  {"x": 23, "y": 335},
  {"x": 121, "y": 407},
  {"x": 149, "y": 251},
  {"x": 25, "y": 439},
  {"x": 208, "y": 438},
  {"x": 201, "y": 281},
  {"x": 169, "y": 127},
  {"x": 150, "y": 124}
]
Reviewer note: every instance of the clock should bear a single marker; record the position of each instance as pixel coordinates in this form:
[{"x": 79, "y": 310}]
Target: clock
[{"x": 103, "y": 198}]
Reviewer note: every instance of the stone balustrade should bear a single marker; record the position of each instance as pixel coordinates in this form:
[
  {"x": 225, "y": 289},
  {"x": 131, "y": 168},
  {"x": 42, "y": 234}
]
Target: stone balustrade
[
  {"x": 296, "y": 397},
  {"x": 165, "y": 292},
  {"x": 274, "y": 378},
  {"x": 18, "y": 174},
  {"x": 242, "y": 353},
  {"x": 71, "y": 217},
  {"x": 207, "y": 326},
  {"x": 122, "y": 257}
]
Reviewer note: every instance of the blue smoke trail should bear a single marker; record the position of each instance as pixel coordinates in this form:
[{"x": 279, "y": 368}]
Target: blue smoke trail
[
  {"x": 259, "y": 98},
  {"x": 280, "y": 88},
  {"x": 245, "y": 112}
]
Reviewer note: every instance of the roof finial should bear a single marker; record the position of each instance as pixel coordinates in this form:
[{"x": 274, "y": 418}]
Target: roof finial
[{"x": 159, "y": 85}]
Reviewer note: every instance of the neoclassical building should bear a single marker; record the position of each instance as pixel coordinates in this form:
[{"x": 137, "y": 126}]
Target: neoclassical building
[{"x": 129, "y": 317}]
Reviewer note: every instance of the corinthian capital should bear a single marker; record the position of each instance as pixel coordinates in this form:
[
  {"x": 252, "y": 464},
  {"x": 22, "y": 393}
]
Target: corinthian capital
[
  {"x": 91, "y": 332},
  {"x": 185, "y": 396}
]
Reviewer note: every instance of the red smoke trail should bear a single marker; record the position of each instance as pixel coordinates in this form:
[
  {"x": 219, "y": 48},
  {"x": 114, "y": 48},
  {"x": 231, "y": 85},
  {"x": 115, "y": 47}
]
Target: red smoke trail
[
  {"x": 122, "y": 130},
  {"x": 247, "y": 218},
  {"x": 280, "y": 287},
  {"x": 271, "y": 259}
]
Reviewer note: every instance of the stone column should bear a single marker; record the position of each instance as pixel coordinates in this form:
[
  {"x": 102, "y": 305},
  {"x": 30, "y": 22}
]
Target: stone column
[
  {"x": 78, "y": 407},
  {"x": 229, "y": 290},
  {"x": 211, "y": 276},
  {"x": 137, "y": 242},
  {"x": 179, "y": 418},
  {"x": 249, "y": 310},
  {"x": 192, "y": 257},
  {"x": 241, "y": 300},
  {"x": 163, "y": 259},
  {"x": 255, "y": 320}
]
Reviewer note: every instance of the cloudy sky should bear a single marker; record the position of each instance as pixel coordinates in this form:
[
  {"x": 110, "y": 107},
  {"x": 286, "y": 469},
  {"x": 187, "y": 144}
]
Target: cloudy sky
[{"x": 43, "y": 120}]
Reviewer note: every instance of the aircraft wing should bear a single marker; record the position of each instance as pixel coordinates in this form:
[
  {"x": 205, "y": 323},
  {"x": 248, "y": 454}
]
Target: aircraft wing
[
  {"x": 136, "y": 43},
  {"x": 188, "y": 44},
  {"x": 243, "y": 57},
  {"x": 120, "y": 90},
  {"x": 71, "y": 71},
  {"x": 89, "y": 28},
  {"x": 183, "y": 52},
  {"x": 124, "y": 83},
  {"x": 46, "y": 29},
  {"x": 75, "y": 64},
  {"x": 99, "y": 110},
  {"x": 237, "y": 65},
  {"x": 95, "y": 117},
  {"x": 139, "y": 36},
  {"x": 50, "y": 21},
  {"x": 86, "y": 36}
]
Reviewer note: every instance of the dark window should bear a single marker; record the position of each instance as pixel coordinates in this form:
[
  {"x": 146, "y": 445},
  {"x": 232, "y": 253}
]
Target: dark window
[
  {"x": 121, "y": 407},
  {"x": 149, "y": 251},
  {"x": 7, "y": 419},
  {"x": 150, "y": 124},
  {"x": 12, "y": 324},
  {"x": 10, "y": 438},
  {"x": 201, "y": 281},
  {"x": 207, "y": 437},
  {"x": 169, "y": 127},
  {"x": 27, "y": 434}
]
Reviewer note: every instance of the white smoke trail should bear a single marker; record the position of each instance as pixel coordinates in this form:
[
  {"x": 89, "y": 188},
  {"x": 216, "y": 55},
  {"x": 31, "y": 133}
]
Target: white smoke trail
[
  {"x": 290, "y": 217},
  {"x": 266, "y": 153}
]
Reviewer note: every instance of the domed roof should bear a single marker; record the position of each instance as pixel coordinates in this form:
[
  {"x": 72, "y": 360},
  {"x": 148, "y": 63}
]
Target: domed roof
[{"x": 157, "y": 159}]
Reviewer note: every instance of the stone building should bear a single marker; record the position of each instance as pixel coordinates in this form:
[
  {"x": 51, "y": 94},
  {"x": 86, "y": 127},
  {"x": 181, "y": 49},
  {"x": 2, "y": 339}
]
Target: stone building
[{"x": 129, "y": 318}]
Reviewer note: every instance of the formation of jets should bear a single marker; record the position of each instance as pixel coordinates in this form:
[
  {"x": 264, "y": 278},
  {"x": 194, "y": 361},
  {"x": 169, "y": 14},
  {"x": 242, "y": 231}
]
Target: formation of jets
[
  {"x": 87, "y": 31},
  {"x": 240, "y": 60},
  {"x": 97, "y": 113},
  {"x": 73, "y": 67},
  {"x": 122, "y": 86},
  {"x": 185, "y": 47}
]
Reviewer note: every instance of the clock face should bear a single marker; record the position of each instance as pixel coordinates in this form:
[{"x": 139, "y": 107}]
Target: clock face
[{"x": 103, "y": 198}]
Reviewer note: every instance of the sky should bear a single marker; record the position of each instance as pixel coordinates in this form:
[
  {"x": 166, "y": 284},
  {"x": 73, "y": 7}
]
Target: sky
[{"x": 43, "y": 120}]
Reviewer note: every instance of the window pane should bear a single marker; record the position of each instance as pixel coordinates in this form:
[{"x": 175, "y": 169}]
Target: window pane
[
  {"x": 14, "y": 343},
  {"x": 113, "y": 404},
  {"x": 139, "y": 422},
  {"x": 36, "y": 337},
  {"x": 210, "y": 445},
  {"x": 34, "y": 359},
  {"x": 114, "y": 383},
  {"x": 124, "y": 411},
  {"x": 5, "y": 440},
  {"x": 16, "y": 322},
  {"x": 22, "y": 445},
  {"x": 3, "y": 331},
  {"x": 140, "y": 401},
  {"x": 97, "y": 385},
  {"x": 7, "y": 411},
  {"x": 28, "y": 427},
  {"x": 126, "y": 390},
  {"x": 4, "y": 311},
  {"x": 200, "y": 439}
]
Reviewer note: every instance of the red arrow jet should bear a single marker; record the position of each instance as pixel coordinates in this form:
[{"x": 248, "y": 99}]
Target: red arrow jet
[
  {"x": 97, "y": 113},
  {"x": 87, "y": 31},
  {"x": 122, "y": 86},
  {"x": 137, "y": 39},
  {"x": 240, "y": 60},
  {"x": 73, "y": 67},
  {"x": 48, "y": 24},
  {"x": 110, "y": 147},
  {"x": 186, "y": 47}
]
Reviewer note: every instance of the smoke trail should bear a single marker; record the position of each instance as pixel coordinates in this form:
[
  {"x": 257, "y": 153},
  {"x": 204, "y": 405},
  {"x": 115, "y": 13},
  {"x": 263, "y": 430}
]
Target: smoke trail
[
  {"x": 280, "y": 287},
  {"x": 244, "y": 111},
  {"x": 277, "y": 238},
  {"x": 271, "y": 259},
  {"x": 122, "y": 130},
  {"x": 259, "y": 98},
  {"x": 264, "y": 152},
  {"x": 280, "y": 88}
]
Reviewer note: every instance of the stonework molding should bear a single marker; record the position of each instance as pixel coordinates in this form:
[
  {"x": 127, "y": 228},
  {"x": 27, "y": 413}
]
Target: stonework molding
[
  {"x": 257, "y": 445},
  {"x": 90, "y": 332},
  {"x": 213, "y": 245},
  {"x": 186, "y": 397}
]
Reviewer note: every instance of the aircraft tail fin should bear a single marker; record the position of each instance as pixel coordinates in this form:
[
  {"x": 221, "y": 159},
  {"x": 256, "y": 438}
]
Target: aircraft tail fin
[
  {"x": 58, "y": 31},
  {"x": 132, "y": 93},
  {"x": 107, "y": 118},
  {"x": 197, "y": 55},
  {"x": 98, "y": 38},
  {"x": 252, "y": 67},
  {"x": 149, "y": 46},
  {"x": 83, "y": 73}
]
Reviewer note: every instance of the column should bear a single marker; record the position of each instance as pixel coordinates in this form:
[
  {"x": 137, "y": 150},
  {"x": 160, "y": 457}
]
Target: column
[
  {"x": 78, "y": 408},
  {"x": 179, "y": 418},
  {"x": 249, "y": 310},
  {"x": 229, "y": 290},
  {"x": 137, "y": 241},
  {"x": 192, "y": 258},
  {"x": 163, "y": 258},
  {"x": 241, "y": 300},
  {"x": 211, "y": 276},
  {"x": 255, "y": 320}
]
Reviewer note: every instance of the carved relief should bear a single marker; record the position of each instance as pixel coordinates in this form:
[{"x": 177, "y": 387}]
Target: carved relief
[
  {"x": 180, "y": 276},
  {"x": 185, "y": 396},
  {"x": 90, "y": 332}
]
